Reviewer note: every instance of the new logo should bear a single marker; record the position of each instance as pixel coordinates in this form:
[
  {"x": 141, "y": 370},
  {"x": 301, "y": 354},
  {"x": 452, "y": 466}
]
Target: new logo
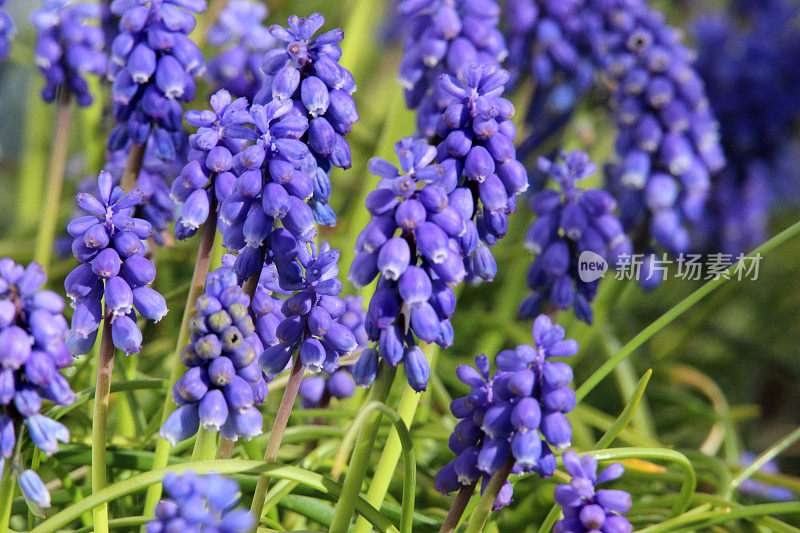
[{"x": 591, "y": 266}]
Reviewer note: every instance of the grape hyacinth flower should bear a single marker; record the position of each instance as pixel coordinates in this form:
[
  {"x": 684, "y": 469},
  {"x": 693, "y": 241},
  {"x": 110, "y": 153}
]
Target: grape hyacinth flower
[
  {"x": 760, "y": 489},
  {"x": 310, "y": 327},
  {"x": 587, "y": 508},
  {"x": 110, "y": 244},
  {"x": 68, "y": 48},
  {"x": 413, "y": 298},
  {"x": 476, "y": 149},
  {"x": 668, "y": 145},
  {"x": 200, "y": 503},
  {"x": 223, "y": 384},
  {"x": 152, "y": 65},
  {"x": 517, "y": 413},
  {"x": 154, "y": 181},
  {"x": 7, "y": 31},
  {"x": 32, "y": 329},
  {"x": 307, "y": 72},
  {"x": 746, "y": 72},
  {"x": 443, "y": 37},
  {"x": 316, "y": 391},
  {"x": 547, "y": 38},
  {"x": 573, "y": 225},
  {"x": 209, "y": 170},
  {"x": 242, "y": 39}
]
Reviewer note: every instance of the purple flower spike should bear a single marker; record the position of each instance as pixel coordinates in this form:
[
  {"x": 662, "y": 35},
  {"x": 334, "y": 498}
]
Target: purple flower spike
[
  {"x": 153, "y": 63},
  {"x": 197, "y": 502},
  {"x": 223, "y": 383},
  {"x": 586, "y": 508},
  {"x": 111, "y": 242},
  {"x": 517, "y": 412},
  {"x": 32, "y": 331},
  {"x": 303, "y": 75},
  {"x": 7, "y": 31},
  {"x": 242, "y": 40},
  {"x": 67, "y": 48},
  {"x": 575, "y": 238}
]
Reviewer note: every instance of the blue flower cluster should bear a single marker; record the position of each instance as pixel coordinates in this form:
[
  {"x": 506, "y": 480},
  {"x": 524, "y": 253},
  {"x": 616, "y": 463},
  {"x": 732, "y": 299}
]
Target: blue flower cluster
[
  {"x": 7, "y": 31},
  {"x": 751, "y": 84},
  {"x": 443, "y": 37},
  {"x": 152, "y": 64},
  {"x": 307, "y": 72},
  {"x": 68, "y": 48},
  {"x": 316, "y": 391},
  {"x": 109, "y": 243},
  {"x": 571, "y": 224},
  {"x": 223, "y": 383},
  {"x": 586, "y": 508},
  {"x": 154, "y": 181},
  {"x": 209, "y": 173},
  {"x": 413, "y": 297},
  {"x": 242, "y": 39},
  {"x": 548, "y": 39},
  {"x": 476, "y": 149},
  {"x": 200, "y": 503},
  {"x": 32, "y": 329},
  {"x": 515, "y": 414},
  {"x": 310, "y": 326}
]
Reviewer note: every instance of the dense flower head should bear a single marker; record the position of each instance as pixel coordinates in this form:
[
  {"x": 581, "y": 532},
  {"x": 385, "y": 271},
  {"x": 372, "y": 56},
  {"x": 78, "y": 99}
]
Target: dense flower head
[
  {"x": 155, "y": 178},
  {"x": 209, "y": 174},
  {"x": 306, "y": 71},
  {"x": 668, "y": 143},
  {"x": 68, "y": 48},
  {"x": 152, "y": 65},
  {"x": 547, "y": 38},
  {"x": 572, "y": 225},
  {"x": 475, "y": 145},
  {"x": 316, "y": 391},
  {"x": 310, "y": 329},
  {"x": 242, "y": 39},
  {"x": 32, "y": 328},
  {"x": 7, "y": 31},
  {"x": 760, "y": 489},
  {"x": 110, "y": 244},
  {"x": 413, "y": 245},
  {"x": 200, "y": 503},
  {"x": 443, "y": 37},
  {"x": 223, "y": 383},
  {"x": 751, "y": 85},
  {"x": 515, "y": 414},
  {"x": 586, "y": 508}
]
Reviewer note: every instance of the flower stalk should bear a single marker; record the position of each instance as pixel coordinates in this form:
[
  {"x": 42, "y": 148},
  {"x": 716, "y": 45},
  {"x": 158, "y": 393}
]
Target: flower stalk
[
  {"x": 481, "y": 512},
  {"x": 201, "y": 267},
  {"x": 58, "y": 161},
  {"x": 457, "y": 509},
  {"x": 6, "y": 494},
  {"x": 276, "y": 435},
  {"x": 105, "y": 367},
  {"x": 132, "y": 166},
  {"x": 361, "y": 453}
]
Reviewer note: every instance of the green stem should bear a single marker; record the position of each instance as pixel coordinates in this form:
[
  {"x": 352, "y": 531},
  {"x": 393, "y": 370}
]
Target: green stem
[
  {"x": 205, "y": 446},
  {"x": 276, "y": 435},
  {"x": 132, "y": 167},
  {"x": 551, "y": 519},
  {"x": 7, "y": 486},
  {"x": 481, "y": 512},
  {"x": 105, "y": 366},
  {"x": 676, "y": 311},
  {"x": 390, "y": 456},
  {"x": 201, "y": 267},
  {"x": 710, "y": 518},
  {"x": 32, "y": 168},
  {"x": 762, "y": 460},
  {"x": 58, "y": 161},
  {"x": 457, "y": 509},
  {"x": 362, "y": 453}
]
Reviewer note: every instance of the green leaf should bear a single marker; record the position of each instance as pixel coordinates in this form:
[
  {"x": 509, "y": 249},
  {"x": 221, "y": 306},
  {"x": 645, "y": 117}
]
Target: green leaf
[
  {"x": 144, "y": 480},
  {"x": 627, "y": 413}
]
